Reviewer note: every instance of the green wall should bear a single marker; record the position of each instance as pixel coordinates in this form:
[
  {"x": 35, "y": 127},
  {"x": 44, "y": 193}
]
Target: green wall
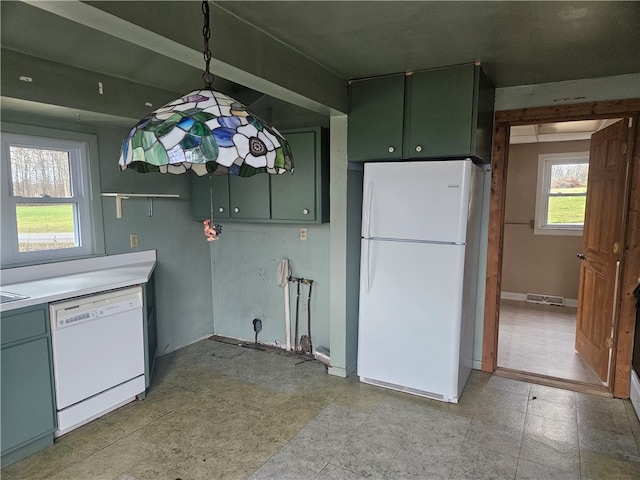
[
  {"x": 244, "y": 262},
  {"x": 183, "y": 278}
]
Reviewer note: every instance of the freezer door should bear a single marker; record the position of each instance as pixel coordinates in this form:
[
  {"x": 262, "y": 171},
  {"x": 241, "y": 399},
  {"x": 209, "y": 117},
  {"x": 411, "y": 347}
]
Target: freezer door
[
  {"x": 410, "y": 316},
  {"x": 417, "y": 200}
]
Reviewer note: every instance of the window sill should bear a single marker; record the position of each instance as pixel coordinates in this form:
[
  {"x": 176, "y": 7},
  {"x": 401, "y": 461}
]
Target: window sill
[{"x": 565, "y": 232}]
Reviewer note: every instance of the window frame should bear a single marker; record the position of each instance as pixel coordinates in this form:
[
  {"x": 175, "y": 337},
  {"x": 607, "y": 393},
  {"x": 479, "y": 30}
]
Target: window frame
[
  {"x": 545, "y": 163},
  {"x": 82, "y": 148}
]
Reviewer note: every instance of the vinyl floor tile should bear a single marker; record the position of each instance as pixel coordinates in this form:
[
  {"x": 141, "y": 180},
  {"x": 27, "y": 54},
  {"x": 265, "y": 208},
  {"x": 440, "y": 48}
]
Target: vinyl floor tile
[{"x": 219, "y": 411}]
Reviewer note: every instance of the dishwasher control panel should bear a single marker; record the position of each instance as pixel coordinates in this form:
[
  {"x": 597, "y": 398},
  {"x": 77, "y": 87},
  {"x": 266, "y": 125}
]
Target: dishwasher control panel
[{"x": 72, "y": 313}]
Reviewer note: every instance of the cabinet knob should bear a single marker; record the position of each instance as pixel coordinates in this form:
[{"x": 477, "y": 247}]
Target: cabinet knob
[
  {"x": 418, "y": 148},
  {"x": 221, "y": 209},
  {"x": 305, "y": 211},
  {"x": 392, "y": 149},
  {"x": 236, "y": 209}
]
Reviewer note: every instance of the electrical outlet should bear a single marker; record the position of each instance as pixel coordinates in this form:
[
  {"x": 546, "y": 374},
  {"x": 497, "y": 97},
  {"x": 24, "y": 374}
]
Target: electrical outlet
[
  {"x": 303, "y": 234},
  {"x": 133, "y": 240}
]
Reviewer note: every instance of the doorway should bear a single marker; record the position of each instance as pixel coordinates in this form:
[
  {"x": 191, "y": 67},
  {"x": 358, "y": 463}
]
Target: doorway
[
  {"x": 544, "y": 213},
  {"x": 624, "y": 316}
]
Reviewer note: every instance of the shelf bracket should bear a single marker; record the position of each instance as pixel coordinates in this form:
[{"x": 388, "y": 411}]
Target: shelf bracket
[{"x": 149, "y": 196}]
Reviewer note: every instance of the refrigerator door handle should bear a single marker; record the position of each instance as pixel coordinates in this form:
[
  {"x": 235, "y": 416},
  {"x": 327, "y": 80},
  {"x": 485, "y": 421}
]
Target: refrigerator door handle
[
  {"x": 367, "y": 268},
  {"x": 366, "y": 233}
]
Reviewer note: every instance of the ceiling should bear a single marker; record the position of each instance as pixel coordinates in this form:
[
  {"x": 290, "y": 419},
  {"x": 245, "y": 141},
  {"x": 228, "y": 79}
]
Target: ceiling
[{"x": 518, "y": 43}]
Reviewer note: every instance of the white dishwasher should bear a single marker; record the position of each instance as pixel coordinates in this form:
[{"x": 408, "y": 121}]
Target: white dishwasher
[{"x": 98, "y": 355}]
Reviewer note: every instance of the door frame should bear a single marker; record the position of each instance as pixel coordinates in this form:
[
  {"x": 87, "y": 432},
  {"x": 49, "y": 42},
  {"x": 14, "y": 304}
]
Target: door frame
[{"x": 625, "y": 318}]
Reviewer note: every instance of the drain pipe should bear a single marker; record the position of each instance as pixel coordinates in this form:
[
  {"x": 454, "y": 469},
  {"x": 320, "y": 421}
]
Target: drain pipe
[
  {"x": 283, "y": 273},
  {"x": 322, "y": 355}
]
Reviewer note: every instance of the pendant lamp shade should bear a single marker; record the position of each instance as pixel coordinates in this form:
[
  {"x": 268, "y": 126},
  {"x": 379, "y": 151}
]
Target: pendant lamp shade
[{"x": 207, "y": 132}]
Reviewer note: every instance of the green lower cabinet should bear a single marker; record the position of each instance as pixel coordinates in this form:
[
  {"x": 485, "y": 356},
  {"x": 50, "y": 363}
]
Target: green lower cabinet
[
  {"x": 28, "y": 409},
  {"x": 299, "y": 198}
]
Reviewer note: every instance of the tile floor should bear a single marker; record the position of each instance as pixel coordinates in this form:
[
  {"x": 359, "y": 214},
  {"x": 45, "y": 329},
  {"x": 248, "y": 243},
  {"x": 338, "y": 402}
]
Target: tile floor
[
  {"x": 218, "y": 411},
  {"x": 540, "y": 339}
]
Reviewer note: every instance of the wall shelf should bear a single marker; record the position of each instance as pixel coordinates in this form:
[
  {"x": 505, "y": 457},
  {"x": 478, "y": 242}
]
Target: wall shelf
[{"x": 149, "y": 196}]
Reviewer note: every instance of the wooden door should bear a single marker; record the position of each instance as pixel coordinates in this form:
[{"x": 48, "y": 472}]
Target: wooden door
[{"x": 602, "y": 246}]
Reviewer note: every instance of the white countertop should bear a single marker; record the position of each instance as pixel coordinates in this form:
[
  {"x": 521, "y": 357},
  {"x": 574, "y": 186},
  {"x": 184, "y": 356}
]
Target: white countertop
[{"x": 108, "y": 273}]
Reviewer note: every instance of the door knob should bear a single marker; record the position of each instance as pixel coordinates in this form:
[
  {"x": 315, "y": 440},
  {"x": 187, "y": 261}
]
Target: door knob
[{"x": 581, "y": 256}]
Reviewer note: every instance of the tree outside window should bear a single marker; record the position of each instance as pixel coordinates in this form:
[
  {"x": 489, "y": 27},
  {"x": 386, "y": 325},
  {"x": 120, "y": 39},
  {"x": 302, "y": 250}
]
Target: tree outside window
[
  {"x": 47, "y": 202},
  {"x": 562, "y": 193}
]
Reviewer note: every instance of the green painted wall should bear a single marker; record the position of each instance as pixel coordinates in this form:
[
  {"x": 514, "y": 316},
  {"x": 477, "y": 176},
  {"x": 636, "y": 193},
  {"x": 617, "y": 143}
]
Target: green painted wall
[
  {"x": 575, "y": 91},
  {"x": 244, "y": 262},
  {"x": 183, "y": 278}
]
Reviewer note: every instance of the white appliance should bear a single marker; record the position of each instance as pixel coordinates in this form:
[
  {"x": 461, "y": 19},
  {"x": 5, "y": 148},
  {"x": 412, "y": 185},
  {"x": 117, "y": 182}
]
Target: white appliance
[
  {"x": 418, "y": 275},
  {"x": 98, "y": 355}
]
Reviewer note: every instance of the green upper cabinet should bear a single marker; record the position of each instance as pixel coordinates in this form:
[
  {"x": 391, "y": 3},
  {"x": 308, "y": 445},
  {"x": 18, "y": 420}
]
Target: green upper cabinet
[
  {"x": 299, "y": 198},
  {"x": 209, "y": 193},
  {"x": 447, "y": 113},
  {"x": 376, "y": 117},
  {"x": 249, "y": 197},
  {"x": 230, "y": 197}
]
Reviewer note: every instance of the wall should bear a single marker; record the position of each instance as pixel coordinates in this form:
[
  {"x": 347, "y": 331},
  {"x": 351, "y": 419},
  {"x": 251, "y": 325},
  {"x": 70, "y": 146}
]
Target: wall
[
  {"x": 544, "y": 264},
  {"x": 244, "y": 263},
  {"x": 575, "y": 91},
  {"x": 183, "y": 279}
]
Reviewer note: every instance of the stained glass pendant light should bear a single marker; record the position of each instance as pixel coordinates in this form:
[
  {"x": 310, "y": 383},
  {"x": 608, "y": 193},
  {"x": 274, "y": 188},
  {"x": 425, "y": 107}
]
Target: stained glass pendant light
[{"x": 205, "y": 131}]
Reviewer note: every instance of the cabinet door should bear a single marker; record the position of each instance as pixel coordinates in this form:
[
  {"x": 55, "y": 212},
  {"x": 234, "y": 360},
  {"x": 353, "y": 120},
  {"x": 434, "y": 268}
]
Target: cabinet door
[
  {"x": 376, "y": 119},
  {"x": 249, "y": 197},
  {"x": 441, "y": 112},
  {"x": 201, "y": 190},
  {"x": 293, "y": 197},
  {"x": 27, "y": 393}
]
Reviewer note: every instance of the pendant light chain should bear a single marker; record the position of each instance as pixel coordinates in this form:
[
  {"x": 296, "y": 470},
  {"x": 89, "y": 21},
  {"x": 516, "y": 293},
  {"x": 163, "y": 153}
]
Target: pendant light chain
[
  {"x": 211, "y": 196},
  {"x": 206, "y": 34}
]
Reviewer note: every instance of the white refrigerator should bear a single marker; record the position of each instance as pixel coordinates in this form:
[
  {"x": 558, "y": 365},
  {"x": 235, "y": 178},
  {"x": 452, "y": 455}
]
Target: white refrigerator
[{"x": 418, "y": 275}]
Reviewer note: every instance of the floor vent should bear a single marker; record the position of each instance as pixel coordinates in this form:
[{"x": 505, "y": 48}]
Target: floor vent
[{"x": 545, "y": 299}]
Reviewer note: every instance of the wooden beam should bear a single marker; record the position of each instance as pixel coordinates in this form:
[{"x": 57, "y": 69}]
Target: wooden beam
[
  {"x": 630, "y": 271},
  {"x": 494, "y": 251},
  {"x": 578, "y": 111}
]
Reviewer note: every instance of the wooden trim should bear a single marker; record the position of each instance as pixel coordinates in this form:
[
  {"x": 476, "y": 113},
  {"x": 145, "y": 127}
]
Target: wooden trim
[
  {"x": 626, "y": 317},
  {"x": 573, "y": 385},
  {"x": 579, "y": 111},
  {"x": 494, "y": 251},
  {"x": 630, "y": 271}
]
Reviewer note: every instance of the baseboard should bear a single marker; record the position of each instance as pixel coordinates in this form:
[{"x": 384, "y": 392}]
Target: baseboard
[
  {"x": 342, "y": 372},
  {"x": 337, "y": 371},
  {"x": 476, "y": 364},
  {"x": 521, "y": 297}
]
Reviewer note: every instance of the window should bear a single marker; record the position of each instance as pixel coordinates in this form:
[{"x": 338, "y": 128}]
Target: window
[
  {"x": 562, "y": 193},
  {"x": 47, "y": 209}
]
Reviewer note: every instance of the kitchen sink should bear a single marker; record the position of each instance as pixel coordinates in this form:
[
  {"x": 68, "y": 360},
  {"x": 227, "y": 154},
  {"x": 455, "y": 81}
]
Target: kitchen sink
[{"x": 11, "y": 297}]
